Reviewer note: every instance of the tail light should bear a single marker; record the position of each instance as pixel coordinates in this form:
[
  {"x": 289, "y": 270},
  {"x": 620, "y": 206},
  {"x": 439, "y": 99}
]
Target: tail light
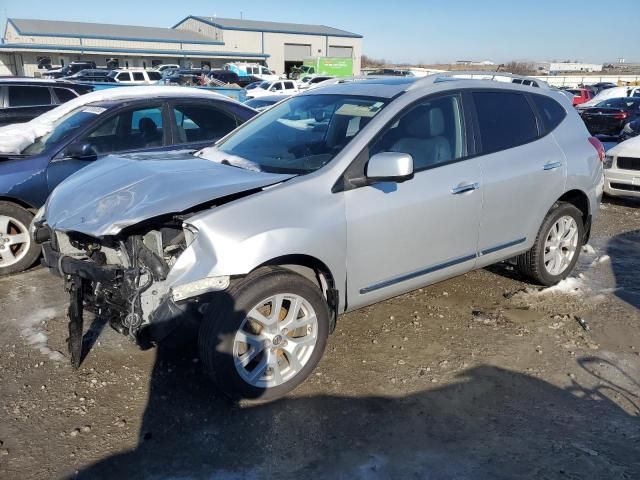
[
  {"x": 621, "y": 116},
  {"x": 597, "y": 144}
]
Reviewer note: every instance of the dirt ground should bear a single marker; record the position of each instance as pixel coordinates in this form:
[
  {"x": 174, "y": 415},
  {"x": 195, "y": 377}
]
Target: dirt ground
[{"x": 479, "y": 377}]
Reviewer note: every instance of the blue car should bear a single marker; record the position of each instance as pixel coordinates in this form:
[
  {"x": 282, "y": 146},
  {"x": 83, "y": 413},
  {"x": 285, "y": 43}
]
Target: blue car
[{"x": 142, "y": 123}]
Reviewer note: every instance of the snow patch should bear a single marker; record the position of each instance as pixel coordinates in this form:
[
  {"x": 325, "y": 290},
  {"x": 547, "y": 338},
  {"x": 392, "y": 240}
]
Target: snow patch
[
  {"x": 588, "y": 249},
  {"x": 568, "y": 286},
  {"x": 16, "y": 137},
  {"x": 35, "y": 335}
]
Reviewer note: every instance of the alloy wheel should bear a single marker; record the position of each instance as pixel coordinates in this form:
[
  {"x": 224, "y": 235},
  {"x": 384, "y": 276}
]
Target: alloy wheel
[
  {"x": 15, "y": 241},
  {"x": 275, "y": 340},
  {"x": 560, "y": 245}
]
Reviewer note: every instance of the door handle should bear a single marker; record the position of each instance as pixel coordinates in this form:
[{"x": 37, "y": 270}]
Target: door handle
[
  {"x": 552, "y": 165},
  {"x": 465, "y": 188}
]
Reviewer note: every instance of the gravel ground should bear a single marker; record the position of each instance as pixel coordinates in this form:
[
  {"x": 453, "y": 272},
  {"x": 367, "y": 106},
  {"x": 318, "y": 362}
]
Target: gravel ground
[{"x": 479, "y": 377}]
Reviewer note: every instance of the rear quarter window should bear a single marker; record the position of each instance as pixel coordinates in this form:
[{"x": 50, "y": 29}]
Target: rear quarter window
[
  {"x": 551, "y": 112},
  {"x": 28, "y": 96},
  {"x": 505, "y": 120}
]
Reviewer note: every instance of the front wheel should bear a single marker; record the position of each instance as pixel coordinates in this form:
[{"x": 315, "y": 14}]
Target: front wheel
[
  {"x": 18, "y": 251},
  {"x": 263, "y": 336},
  {"x": 557, "y": 246}
]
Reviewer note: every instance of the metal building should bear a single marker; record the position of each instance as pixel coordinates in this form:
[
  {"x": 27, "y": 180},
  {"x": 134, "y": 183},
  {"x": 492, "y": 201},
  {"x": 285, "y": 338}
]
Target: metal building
[{"x": 30, "y": 46}]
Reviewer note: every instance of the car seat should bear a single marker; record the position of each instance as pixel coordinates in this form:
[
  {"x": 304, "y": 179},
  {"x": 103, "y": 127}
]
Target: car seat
[
  {"x": 422, "y": 138},
  {"x": 149, "y": 132}
]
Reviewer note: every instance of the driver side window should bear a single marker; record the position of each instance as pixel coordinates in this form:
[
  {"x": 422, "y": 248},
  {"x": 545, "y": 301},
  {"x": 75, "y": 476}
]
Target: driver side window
[
  {"x": 134, "y": 129},
  {"x": 432, "y": 132}
]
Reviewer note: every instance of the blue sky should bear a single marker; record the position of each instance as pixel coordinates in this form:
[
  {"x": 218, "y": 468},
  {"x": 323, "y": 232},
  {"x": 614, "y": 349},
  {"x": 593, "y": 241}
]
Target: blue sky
[{"x": 401, "y": 31}]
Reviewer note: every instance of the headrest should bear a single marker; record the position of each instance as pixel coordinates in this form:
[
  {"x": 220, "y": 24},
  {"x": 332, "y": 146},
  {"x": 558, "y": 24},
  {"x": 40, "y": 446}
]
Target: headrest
[
  {"x": 417, "y": 123},
  {"x": 147, "y": 125},
  {"x": 436, "y": 122}
]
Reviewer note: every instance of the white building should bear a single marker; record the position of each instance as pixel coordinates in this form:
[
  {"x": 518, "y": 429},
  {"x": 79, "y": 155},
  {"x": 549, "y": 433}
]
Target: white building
[
  {"x": 553, "y": 68},
  {"x": 28, "y": 46}
]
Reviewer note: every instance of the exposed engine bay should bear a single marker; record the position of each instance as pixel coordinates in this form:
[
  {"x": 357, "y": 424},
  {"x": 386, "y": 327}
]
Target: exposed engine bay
[{"x": 121, "y": 279}]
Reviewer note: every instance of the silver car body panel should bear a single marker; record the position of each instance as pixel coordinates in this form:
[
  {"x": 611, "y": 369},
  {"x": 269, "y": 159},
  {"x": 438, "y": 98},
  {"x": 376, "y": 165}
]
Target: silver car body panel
[{"x": 377, "y": 241}]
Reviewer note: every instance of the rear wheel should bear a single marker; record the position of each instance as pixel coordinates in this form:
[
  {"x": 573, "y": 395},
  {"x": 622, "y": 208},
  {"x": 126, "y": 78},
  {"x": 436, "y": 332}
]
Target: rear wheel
[
  {"x": 18, "y": 251},
  {"x": 557, "y": 246},
  {"x": 264, "y": 335}
]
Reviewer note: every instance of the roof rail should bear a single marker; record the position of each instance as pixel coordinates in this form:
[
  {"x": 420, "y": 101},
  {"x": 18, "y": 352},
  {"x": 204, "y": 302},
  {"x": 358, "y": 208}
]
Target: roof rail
[{"x": 480, "y": 75}]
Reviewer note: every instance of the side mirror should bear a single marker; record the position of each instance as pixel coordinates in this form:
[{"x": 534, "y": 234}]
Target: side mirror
[
  {"x": 80, "y": 151},
  {"x": 390, "y": 167}
]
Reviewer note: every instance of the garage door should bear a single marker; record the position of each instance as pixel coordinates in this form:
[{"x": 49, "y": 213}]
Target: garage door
[
  {"x": 296, "y": 52},
  {"x": 343, "y": 52}
]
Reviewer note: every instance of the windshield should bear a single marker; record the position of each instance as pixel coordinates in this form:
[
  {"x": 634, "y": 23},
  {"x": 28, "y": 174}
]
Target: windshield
[
  {"x": 619, "y": 103},
  {"x": 265, "y": 85},
  {"x": 63, "y": 128},
  {"x": 299, "y": 135}
]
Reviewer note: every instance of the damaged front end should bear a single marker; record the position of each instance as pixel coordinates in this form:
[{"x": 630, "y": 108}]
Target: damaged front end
[{"x": 123, "y": 279}]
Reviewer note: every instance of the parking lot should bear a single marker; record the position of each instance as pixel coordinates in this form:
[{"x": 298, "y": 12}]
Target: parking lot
[{"x": 482, "y": 376}]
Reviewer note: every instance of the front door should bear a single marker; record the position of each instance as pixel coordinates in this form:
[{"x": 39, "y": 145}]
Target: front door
[{"x": 401, "y": 236}]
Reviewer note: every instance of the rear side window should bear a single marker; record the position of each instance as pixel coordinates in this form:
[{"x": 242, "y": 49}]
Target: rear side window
[
  {"x": 550, "y": 111},
  {"x": 505, "y": 119},
  {"x": 138, "y": 76},
  {"x": 124, "y": 77},
  {"x": 64, "y": 94},
  {"x": 24, "y": 96}
]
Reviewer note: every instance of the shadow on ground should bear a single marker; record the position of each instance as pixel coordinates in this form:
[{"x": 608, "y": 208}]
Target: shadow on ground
[
  {"x": 624, "y": 251},
  {"x": 492, "y": 424}
]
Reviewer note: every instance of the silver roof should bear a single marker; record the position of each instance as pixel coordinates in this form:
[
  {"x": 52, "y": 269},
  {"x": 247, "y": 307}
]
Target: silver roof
[
  {"x": 104, "y": 30},
  {"x": 279, "y": 27}
]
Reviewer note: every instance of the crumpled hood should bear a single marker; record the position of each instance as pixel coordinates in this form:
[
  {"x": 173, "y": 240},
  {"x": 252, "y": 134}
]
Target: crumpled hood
[{"x": 119, "y": 191}]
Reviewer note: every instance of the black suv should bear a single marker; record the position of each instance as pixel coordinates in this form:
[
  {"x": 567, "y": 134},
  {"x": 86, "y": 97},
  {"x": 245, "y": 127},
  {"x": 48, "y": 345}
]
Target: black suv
[{"x": 22, "y": 99}]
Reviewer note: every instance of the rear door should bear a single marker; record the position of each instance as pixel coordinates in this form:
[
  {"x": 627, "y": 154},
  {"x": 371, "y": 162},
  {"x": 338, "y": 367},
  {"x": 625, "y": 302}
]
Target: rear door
[
  {"x": 199, "y": 124},
  {"x": 25, "y": 102},
  {"x": 524, "y": 169}
]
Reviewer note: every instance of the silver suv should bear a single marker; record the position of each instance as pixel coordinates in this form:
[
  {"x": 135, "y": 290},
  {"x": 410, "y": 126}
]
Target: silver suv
[{"x": 332, "y": 200}]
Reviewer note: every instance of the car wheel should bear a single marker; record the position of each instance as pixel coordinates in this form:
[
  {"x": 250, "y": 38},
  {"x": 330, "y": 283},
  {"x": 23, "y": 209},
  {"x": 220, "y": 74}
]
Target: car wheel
[
  {"x": 263, "y": 336},
  {"x": 18, "y": 251},
  {"x": 557, "y": 246}
]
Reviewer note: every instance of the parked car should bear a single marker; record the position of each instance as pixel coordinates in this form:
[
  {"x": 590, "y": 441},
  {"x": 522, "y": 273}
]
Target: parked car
[
  {"x": 253, "y": 85},
  {"x": 333, "y": 200},
  {"x": 165, "y": 66},
  {"x": 224, "y": 76},
  {"x": 393, "y": 72},
  {"x": 135, "y": 77},
  {"x": 610, "y": 116},
  {"x": 150, "y": 119},
  {"x": 314, "y": 81},
  {"x": 263, "y": 103},
  {"x": 71, "y": 69},
  {"x": 22, "y": 99},
  {"x": 281, "y": 87},
  {"x": 91, "y": 75},
  {"x": 580, "y": 95},
  {"x": 245, "y": 82},
  {"x": 600, "y": 86},
  {"x": 630, "y": 130},
  {"x": 184, "y": 76},
  {"x": 622, "y": 169},
  {"x": 609, "y": 93}
]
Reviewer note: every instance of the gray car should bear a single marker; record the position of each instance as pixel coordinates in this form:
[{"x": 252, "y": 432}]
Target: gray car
[{"x": 330, "y": 201}]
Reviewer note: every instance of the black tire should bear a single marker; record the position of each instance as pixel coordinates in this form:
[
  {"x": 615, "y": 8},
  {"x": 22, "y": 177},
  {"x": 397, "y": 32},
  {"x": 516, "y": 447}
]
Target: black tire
[
  {"x": 25, "y": 218},
  {"x": 224, "y": 316},
  {"x": 531, "y": 263}
]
